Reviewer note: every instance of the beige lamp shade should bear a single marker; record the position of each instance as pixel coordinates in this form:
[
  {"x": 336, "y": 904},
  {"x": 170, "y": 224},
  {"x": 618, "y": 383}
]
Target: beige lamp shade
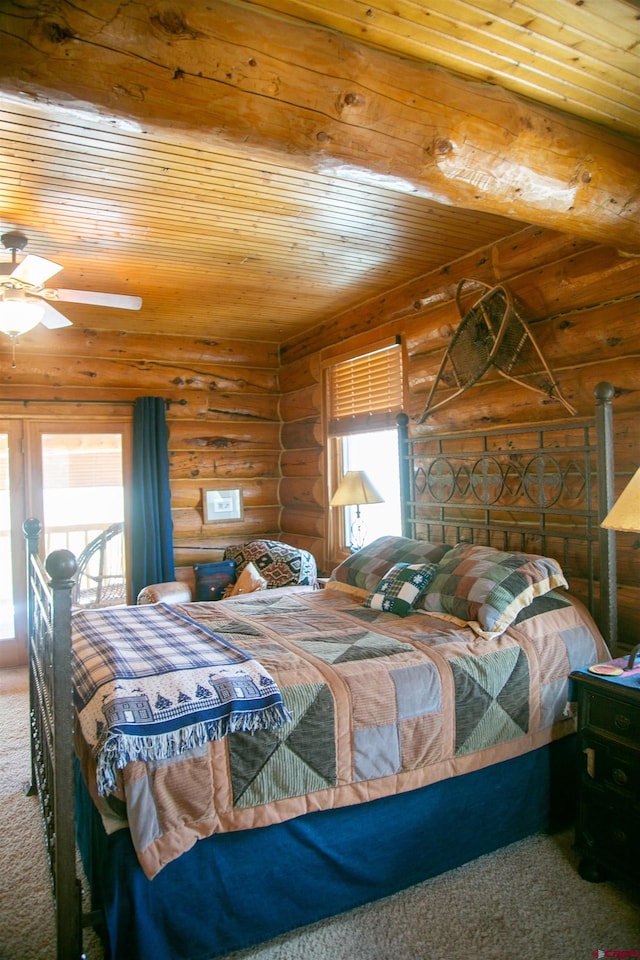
[
  {"x": 625, "y": 513},
  {"x": 355, "y": 488}
]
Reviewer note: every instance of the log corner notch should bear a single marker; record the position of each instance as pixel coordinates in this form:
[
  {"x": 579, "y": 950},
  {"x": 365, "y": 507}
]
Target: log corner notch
[{"x": 230, "y": 73}]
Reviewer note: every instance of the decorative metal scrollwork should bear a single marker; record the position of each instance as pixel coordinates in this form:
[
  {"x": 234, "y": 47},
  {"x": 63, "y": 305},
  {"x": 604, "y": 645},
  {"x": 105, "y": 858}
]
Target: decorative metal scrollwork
[
  {"x": 542, "y": 481},
  {"x": 487, "y": 479}
]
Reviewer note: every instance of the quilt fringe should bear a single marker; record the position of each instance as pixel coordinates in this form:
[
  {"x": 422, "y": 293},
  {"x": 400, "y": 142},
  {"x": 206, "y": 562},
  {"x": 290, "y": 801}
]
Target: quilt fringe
[{"x": 119, "y": 749}]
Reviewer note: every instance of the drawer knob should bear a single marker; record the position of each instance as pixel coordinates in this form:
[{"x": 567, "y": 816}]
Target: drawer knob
[
  {"x": 619, "y": 776},
  {"x": 619, "y": 835},
  {"x": 622, "y": 721}
]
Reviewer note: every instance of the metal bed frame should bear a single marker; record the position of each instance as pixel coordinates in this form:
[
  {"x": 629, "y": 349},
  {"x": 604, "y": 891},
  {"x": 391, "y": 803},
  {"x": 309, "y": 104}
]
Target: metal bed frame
[
  {"x": 50, "y": 591},
  {"x": 536, "y": 489},
  {"x": 435, "y": 475}
]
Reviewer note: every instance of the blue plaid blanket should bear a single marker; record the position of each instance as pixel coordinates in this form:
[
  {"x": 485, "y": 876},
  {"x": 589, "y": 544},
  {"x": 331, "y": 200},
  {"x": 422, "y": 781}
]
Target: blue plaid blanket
[{"x": 150, "y": 684}]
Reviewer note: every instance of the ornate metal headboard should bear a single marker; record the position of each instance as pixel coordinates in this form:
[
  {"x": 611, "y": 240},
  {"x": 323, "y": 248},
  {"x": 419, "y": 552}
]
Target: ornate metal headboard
[{"x": 538, "y": 489}]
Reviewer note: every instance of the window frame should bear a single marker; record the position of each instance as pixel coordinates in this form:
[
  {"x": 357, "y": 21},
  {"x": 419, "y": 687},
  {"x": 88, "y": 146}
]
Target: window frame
[{"x": 381, "y": 419}]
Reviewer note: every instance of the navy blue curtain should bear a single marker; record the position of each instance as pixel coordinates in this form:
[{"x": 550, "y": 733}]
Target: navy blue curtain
[{"x": 151, "y": 525}]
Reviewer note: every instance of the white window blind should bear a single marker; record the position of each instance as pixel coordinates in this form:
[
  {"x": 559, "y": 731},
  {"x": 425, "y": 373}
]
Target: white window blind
[{"x": 365, "y": 393}]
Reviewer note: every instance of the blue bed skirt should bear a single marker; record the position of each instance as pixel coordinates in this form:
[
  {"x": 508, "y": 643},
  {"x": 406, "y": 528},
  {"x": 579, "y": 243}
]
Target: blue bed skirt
[{"x": 235, "y": 890}]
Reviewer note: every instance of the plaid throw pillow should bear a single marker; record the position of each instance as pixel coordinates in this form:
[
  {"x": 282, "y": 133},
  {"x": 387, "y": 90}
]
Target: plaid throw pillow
[
  {"x": 488, "y": 588},
  {"x": 364, "y": 568},
  {"x": 401, "y": 588}
]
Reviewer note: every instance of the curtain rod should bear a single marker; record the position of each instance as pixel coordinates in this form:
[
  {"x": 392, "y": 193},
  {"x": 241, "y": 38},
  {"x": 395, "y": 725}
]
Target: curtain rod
[{"x": 168, "y": 402}]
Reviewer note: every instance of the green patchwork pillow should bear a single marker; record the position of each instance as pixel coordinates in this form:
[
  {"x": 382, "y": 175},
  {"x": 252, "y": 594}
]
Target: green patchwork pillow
[
  {"x": 488, "y": 588},
  {"x": 365, "y": 567},
  {"x": 401, "y": 588}
]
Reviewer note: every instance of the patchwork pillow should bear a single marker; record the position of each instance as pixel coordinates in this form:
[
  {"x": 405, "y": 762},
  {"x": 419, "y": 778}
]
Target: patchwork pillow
[
  {"x": 280, "y": 564},
  {"x": 401, "y": 588},
  {"x": 212, "y": 579},
  {"x": 488, "y": 588},
  {"x": 364, "y": 568}
]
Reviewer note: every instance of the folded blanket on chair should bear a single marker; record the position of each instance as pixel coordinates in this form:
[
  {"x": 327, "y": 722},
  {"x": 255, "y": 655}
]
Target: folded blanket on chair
[{"x": 150, "y": 684}]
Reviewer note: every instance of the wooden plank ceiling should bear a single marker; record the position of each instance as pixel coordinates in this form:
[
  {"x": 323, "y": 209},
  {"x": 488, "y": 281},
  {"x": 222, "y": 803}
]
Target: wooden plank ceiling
[{"x": 224, "y": 239}]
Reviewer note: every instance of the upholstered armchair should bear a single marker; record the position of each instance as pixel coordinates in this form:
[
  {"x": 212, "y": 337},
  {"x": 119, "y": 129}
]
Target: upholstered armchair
[
  {"x": 280, "y": 564},
  {"x": 172, "y": 591}
]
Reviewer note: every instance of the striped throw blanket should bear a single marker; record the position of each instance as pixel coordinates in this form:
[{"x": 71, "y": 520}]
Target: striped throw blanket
[{"x": 150, "y": 684}]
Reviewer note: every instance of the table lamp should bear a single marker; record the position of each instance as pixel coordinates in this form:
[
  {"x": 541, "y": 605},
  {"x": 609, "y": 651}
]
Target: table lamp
[
  {"x": 624, "y": 517},
  {"x": 355, "y": 489}
]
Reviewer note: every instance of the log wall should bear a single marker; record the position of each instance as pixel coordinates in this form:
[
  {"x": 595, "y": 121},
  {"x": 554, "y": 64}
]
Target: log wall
[
  {"x": 223, "y": 418},
  {"x": 582, "y": 302},
  {"x": 244, "y": 415}
]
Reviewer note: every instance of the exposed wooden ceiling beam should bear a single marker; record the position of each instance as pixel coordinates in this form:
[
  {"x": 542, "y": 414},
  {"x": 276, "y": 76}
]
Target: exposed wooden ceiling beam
[{"x": 228, "y": 73}]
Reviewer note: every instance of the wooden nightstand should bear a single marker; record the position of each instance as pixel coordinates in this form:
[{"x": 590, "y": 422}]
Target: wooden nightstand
[{"x": 607, "y": 835}]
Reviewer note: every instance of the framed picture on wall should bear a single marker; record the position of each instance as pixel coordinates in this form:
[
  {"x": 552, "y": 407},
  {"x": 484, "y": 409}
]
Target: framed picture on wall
[{"x": 220, "y": 505}]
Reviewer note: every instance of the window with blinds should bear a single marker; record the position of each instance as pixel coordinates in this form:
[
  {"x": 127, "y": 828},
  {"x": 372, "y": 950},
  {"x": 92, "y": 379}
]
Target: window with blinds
[{"x": 365, "y": 393}]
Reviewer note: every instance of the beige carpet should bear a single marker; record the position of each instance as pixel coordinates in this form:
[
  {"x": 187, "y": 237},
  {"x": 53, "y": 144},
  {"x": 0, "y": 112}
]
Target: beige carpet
[{"x": 525, "y": 902}]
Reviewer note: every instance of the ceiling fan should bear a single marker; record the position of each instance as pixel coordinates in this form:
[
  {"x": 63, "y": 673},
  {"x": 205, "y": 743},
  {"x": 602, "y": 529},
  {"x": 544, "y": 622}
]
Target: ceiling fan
[{"x": 25, "y": 301}]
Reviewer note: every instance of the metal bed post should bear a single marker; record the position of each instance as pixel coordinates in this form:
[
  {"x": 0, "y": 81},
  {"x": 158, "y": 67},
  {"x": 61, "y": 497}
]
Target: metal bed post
[
  {"x": 52, "y": 729},
  {"x": 61, "y": 566},
  {"x": 604, "y": 393},
  {"x": 31, "y": 529}
]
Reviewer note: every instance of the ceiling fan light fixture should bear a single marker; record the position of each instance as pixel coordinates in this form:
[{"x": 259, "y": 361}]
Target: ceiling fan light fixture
[
  {"x": 25, "y": 301},
  {"x": 20, "y": 316}
]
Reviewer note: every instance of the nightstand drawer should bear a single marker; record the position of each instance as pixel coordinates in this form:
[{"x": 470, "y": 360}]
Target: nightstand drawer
[
  {"x": 610, "y": 834},
  {"x": 613, "y": 716},
  {"x": 612, "y": 766}
]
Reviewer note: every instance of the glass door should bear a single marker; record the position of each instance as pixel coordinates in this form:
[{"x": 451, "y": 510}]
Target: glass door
[
  {"x": 73, "y": 477},
  {"x": 7, "y": 624},
  {"x": 82, "y": 487},
  {"x": 12, "y": 550},
  {"x": 77, "y": 480}
]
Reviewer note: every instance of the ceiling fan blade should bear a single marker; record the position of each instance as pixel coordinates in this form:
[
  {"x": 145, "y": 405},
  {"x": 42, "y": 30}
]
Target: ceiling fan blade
[
  {"x": 35, "y": 270},
  {"x": 99, "y": 299},
  {"x": 52, "y": 318}
]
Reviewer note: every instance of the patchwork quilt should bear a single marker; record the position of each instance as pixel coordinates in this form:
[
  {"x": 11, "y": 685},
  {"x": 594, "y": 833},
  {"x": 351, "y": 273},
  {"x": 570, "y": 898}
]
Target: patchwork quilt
[{"x": 378, "y": 704}]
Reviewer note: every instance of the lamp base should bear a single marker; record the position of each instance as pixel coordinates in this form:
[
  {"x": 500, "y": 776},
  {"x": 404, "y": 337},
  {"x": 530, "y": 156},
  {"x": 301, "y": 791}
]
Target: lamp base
[{"x": 358, "y": 534}]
